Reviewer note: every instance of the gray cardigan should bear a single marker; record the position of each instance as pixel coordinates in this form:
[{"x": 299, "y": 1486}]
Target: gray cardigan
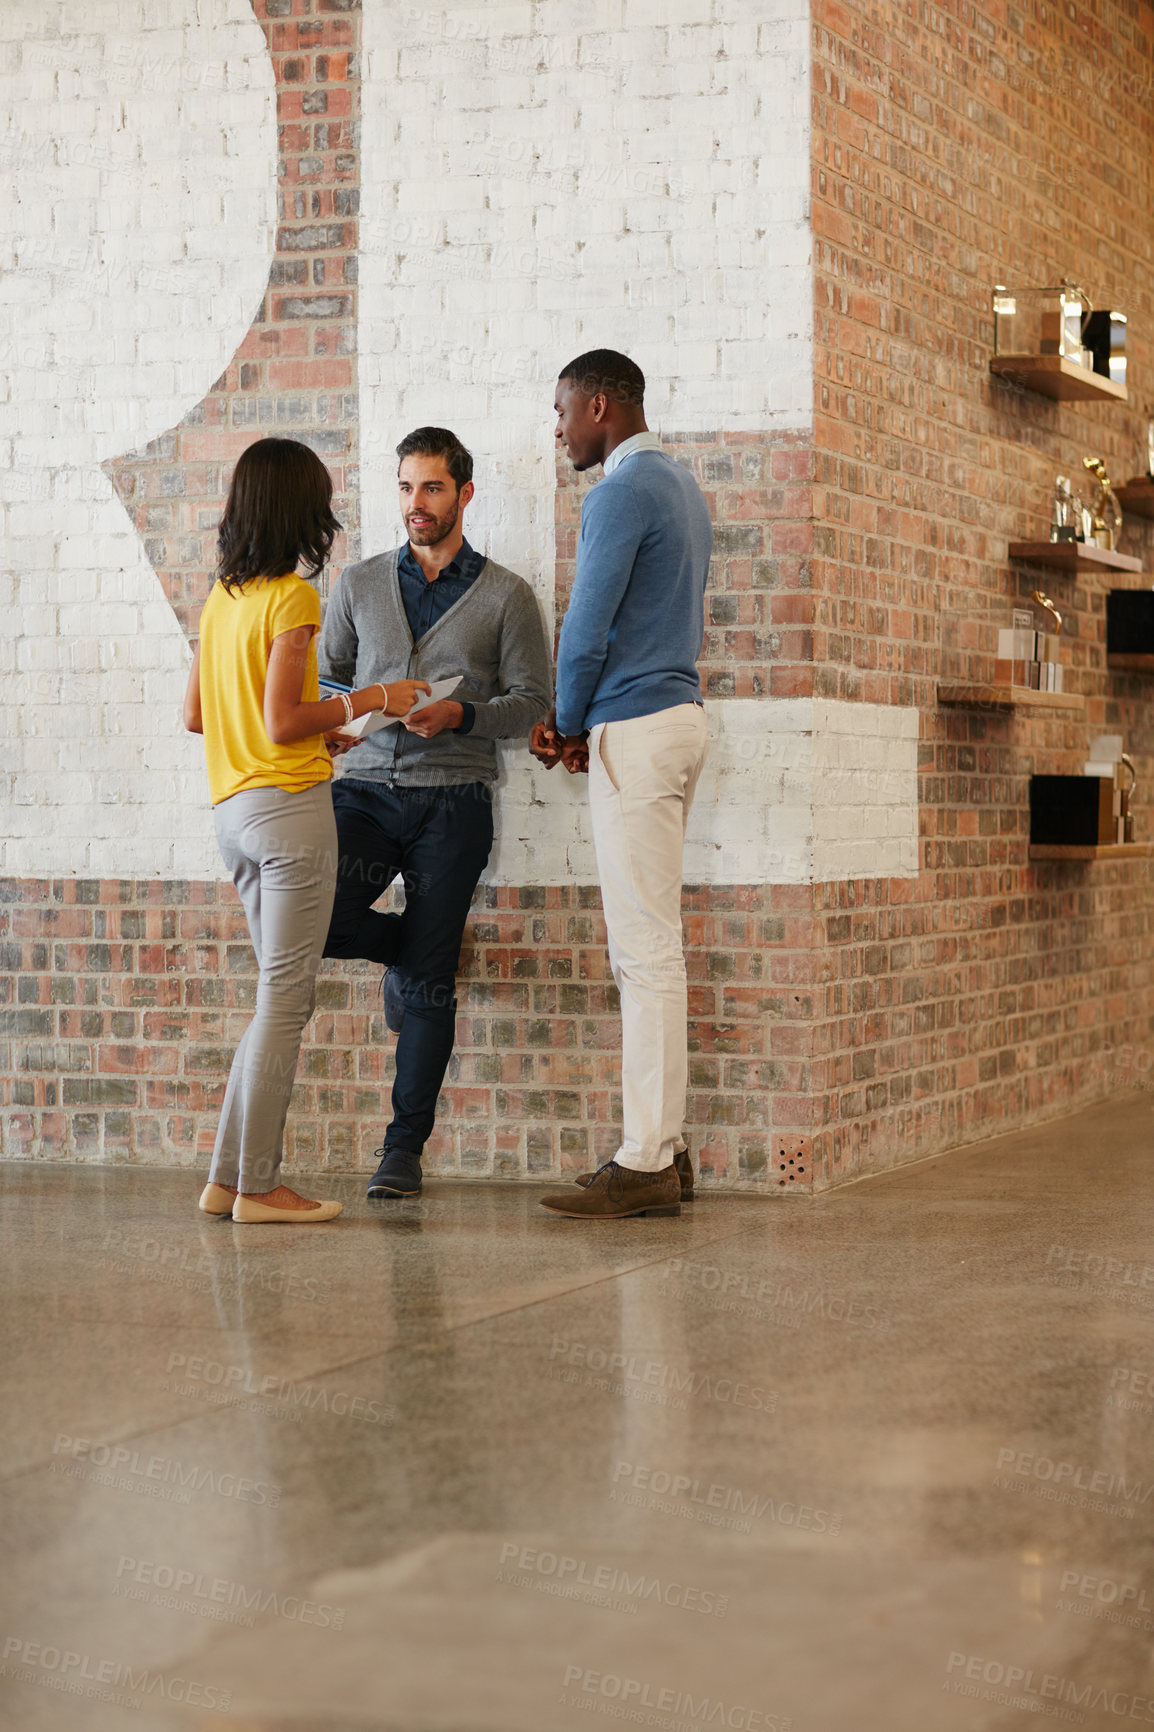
[{"x": 494, "y": 636}]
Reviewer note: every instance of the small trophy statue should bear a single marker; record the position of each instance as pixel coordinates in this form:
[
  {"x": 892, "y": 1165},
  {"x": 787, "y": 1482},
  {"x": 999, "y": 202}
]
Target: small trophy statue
[
  {"x": 1066, "y": 514},
  {"x": 1043, "y": 600},
  {"x": 1105, "y": 511}
]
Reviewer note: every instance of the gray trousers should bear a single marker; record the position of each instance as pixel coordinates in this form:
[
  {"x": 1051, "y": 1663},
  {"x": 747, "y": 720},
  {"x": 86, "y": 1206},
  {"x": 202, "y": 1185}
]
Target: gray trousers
[{"x": 282, "y": 852}]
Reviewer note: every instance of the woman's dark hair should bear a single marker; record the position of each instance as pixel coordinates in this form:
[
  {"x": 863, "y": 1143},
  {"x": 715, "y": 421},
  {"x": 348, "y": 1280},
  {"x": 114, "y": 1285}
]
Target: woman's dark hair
[{"x": 278, "y": 517}]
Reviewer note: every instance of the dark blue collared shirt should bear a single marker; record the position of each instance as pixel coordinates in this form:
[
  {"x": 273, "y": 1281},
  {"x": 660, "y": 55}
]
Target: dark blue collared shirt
[{"x": 426, "y": 600}]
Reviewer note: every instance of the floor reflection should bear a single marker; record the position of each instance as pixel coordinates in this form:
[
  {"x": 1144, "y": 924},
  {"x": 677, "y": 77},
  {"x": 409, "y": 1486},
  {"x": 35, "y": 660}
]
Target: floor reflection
[{"x": 877, "y": 1460}]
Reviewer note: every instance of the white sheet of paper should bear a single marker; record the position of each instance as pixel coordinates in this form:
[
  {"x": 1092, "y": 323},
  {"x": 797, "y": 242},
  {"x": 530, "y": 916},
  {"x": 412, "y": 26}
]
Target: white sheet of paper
[
  {"x": 438, "y": 689},
  {"x": 363, "y": 726}
]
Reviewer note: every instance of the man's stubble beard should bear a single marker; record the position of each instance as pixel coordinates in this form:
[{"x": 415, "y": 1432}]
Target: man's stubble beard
[{"x": 432, "y": 537}]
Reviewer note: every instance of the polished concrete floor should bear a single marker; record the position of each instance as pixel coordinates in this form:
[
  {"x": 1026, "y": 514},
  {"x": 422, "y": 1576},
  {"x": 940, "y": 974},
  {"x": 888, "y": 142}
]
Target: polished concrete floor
[{"x": 876, "y": 1462}]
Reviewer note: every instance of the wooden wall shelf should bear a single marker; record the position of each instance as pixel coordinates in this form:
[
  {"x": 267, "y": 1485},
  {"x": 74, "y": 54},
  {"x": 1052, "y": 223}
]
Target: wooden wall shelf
[
  {"x": 991, "y": 697},
  {"x": 1069, "y": 555},
  {"x": 1054, "y": 376},
  {"x": 1134, "y": 664},
  {"x": 1099, "y": 851},
  {"x": 1137, "y": 497}
]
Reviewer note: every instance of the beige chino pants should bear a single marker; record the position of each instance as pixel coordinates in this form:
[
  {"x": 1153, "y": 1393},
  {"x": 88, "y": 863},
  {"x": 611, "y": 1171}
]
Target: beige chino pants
[{"x": 642, "y": 777}]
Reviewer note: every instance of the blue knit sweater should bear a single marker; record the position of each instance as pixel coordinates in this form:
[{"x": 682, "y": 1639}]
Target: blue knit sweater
[{"x": 636, "y": 618}]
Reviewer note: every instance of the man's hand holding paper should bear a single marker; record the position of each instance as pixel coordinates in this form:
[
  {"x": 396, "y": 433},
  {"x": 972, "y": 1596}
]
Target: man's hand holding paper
[
  {"x": 436, "y": 714},
  {"x": 428, "y": 697}
]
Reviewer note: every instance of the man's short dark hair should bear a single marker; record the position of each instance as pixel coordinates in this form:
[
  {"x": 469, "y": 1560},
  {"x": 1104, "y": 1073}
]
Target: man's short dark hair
[
  {"x": 608, "y": 371},
  {"x": 438, "y": 442}
]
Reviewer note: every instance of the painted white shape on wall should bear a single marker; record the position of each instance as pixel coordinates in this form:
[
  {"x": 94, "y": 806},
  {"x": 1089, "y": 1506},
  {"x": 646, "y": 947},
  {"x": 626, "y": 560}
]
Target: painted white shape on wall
[
  {"x": 541, "y": 178},
  {"x": 538, "y": 179},
  {"x": 795, "y": 790},
  {"x": 137, "y": 223},
  {"x": 544, "y": 178}
]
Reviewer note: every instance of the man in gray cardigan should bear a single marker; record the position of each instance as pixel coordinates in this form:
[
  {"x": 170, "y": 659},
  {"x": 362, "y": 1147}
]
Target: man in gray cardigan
[{"x": 417, "y": 801}]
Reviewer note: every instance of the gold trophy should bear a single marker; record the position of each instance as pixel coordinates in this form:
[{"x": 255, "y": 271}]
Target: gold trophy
[{"x": 1105, "y": 511}]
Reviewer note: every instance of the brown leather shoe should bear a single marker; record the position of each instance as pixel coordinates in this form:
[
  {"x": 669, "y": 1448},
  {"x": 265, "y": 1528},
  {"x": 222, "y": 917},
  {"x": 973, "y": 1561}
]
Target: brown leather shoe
[
  {"x": 614, "y": 1192},
  {"x": 684, "y": 1172}
]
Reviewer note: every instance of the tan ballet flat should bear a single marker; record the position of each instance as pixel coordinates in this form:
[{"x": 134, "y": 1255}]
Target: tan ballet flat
[
  {"x": 217, "y": 1199},
  {"x": 247, "y": 1209}
]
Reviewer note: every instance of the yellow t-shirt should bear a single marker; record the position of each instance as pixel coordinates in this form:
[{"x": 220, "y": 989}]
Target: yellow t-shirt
[{"x": 236, "y": 636}]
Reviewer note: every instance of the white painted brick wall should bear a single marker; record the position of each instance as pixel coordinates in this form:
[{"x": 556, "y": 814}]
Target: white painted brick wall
[
  {"x": 98, "y": 776},
  {"x": 541, "y": 179},
  {"x": 794, "y": 790},
  {"x": 645, "y": 188},
  {"x": 137, "y": 213},
  {"x": 538, "y": 179}
]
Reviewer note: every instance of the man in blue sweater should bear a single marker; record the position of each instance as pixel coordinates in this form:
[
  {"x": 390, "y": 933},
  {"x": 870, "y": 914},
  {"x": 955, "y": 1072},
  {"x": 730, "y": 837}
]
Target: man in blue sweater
[{"x": 629, "y": 710}]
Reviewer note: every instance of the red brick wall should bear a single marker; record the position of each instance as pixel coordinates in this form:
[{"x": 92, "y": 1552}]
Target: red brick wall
[
  {"x": 954, "y": 148},
  {"x": 128, "y": 998}
]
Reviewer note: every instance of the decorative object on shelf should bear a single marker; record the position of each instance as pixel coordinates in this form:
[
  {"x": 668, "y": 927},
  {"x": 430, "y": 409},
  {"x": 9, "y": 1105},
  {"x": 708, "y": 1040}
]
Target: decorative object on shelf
[
  {"x": 1027, "y": 674},
  {"x": 1107, "y": 513},
  {"x": 1130, "y": 629},
  {"x": 1072, "y": 811},
  {"x": 1066, "y": 517},
  {"x": 1042, "y": 321},
  {"x": 1043, "y": 600},
  {"x": 1040, "y": 343},
  {"x": 1107, "y": 760},
  {"x": 1105, "y": 337},
  {"x": 1027, "y": 657}
]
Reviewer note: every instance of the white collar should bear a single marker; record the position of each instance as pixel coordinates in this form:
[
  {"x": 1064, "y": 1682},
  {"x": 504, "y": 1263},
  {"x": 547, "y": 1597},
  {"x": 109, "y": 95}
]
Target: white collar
[{"x": 639, "y": 442}]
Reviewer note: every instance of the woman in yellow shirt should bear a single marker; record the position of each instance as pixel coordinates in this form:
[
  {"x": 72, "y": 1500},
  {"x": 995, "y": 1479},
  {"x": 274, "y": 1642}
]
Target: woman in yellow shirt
[{"x": 253, "y": 694}]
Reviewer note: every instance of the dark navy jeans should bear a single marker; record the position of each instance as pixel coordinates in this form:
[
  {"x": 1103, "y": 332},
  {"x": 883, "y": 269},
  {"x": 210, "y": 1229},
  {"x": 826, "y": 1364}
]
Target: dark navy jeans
[{"x": 437, "y": 841}]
